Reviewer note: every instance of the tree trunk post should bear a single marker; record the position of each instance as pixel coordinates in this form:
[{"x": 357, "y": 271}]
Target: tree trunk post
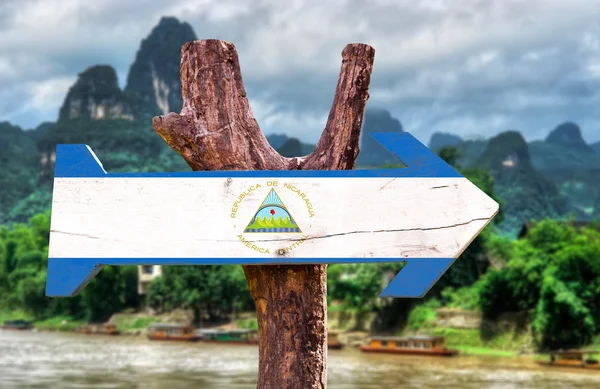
[{"x": 216, "y": 130}]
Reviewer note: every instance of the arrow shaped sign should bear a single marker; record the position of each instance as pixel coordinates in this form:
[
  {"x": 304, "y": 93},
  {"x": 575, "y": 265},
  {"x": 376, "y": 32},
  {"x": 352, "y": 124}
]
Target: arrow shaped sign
[{"x": 425, "y": 214}]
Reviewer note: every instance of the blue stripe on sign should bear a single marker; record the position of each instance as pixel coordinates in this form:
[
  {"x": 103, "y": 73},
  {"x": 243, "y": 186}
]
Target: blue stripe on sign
[
  {"x": 78, "y": 161},
  {"x": 67, "y": 276}
]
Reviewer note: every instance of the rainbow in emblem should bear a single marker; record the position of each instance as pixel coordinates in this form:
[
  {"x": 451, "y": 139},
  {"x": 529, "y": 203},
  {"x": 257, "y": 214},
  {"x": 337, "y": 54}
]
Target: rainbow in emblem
[{"x": 272, "y": 216}]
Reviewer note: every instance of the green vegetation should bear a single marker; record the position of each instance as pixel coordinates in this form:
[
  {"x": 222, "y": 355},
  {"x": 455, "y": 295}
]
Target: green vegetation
[
  {"x": 212, "y": 292},
  {"x": 23, "y": 262},
  {"x": 249, "y": 324},
  {"x": 58, "y": 323},
  {"x": 554, "y": 273},
  {"x": 422, "y": 317},
  {"x": 272, "y": 222},
  {"x": 19, "y": 160},
  {"x": 508, "y": 342},
  {"x": 357, "y": 286},
  {"x": 8, "y": 314},
  {"x": 483, "y": 351},
  {"x": 130, "y": 321}
]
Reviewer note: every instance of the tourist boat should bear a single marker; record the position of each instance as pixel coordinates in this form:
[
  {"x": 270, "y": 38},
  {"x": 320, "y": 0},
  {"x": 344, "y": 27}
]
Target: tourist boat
[
  {"x": 333, "y": 341},
  {"x": 573, "y": 358},
  {"x": 412, "y": 345},
  {"x": 177, "y": 332},
  {"x": 98, "y": 329},
  {"x": 231, "y": 336},
  {"x": 18, "y": 324}
]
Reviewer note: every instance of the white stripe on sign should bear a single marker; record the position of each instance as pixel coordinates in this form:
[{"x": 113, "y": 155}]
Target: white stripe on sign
[{"x": 169, "y": 217}]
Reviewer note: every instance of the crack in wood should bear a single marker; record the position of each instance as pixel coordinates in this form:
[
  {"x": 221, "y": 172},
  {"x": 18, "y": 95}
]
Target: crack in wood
[
  {"x": 387, "y": 183},
  {"x": 375, "y": 231},
  {"x": 75, "y": 234}
]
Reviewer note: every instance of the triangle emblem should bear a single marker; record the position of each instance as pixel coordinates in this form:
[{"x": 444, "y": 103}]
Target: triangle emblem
[{"x": 272, "y": 217}]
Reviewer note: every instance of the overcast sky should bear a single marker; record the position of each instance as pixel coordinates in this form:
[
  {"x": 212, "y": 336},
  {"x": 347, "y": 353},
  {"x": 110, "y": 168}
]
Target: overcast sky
[{"x": 470, "y": 67}]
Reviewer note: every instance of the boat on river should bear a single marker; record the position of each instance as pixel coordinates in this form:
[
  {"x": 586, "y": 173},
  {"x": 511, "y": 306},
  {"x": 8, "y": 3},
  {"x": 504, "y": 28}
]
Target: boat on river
[
  {"x": 177, "y": 332},
  {"x": 572, "y": 358},
  {"x": 412, "y": 345},
  {"x": 333, "y": 341},
  {"x": 98, "y": 329},
  {"x": 18, "y": 324},
  {"x": 241, "y": 336}
]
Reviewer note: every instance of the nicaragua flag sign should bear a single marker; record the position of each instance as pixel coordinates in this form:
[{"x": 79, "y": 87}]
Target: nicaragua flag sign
[{"x": 425, "y": 214}]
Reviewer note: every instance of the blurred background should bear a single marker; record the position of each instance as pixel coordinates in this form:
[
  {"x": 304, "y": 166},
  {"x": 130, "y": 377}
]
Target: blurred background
[{"x": 507, "y": 92}]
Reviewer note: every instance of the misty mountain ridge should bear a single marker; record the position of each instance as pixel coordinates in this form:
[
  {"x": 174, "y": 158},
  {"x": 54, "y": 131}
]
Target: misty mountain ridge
[{"x": 556, "y": 177}]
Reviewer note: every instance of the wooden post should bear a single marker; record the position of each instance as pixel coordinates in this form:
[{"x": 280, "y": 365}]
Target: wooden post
[{"x": 216, "y": 130}]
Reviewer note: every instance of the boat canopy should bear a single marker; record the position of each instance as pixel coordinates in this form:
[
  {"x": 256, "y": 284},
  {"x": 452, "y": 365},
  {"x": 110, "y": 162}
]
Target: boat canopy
[{"x": 209, "y": 331}]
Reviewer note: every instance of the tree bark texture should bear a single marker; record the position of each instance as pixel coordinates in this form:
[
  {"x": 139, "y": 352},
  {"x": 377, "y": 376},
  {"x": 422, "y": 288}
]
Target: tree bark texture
[{"x": 216, "y": 130}]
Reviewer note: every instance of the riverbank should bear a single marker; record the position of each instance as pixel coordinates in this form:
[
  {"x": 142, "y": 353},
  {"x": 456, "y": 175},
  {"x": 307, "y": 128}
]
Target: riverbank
[
  {"x": 469, "y": 342},
  {"x": 55, "y": 323},
  {"x": 466, "y": 341}
]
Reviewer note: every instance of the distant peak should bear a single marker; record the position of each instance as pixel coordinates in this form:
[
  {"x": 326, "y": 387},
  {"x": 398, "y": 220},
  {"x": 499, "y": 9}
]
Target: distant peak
[
  {"x": 167, "y": 23},
  {"x": 153, "y": 82},
  {"x": 511, "y": 138},
  {"x": 372, "y": 153},
  {"x": 380, "y": 120},
  {"x": 567, "y": 133},
  {"x": 105, "y": 74},
  {"x": 379, "y": 111},
  {"x": 507, "y": 150},
  {"x": 443, "y": 139},
  {"x": 6, "y": 126},
  {"x": 96, "y": 95},
  {"x": 166, "y": 20}
]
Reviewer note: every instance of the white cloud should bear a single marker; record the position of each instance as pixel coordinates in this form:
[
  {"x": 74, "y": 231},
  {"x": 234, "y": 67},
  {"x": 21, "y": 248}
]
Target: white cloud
[
  {"x": 275, "y": 120},
  {"x": 49, "y": 94},
  {"x": 30, "y": 103}
]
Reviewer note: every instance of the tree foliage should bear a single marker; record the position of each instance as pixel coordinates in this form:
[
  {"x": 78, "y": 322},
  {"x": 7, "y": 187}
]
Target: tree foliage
[
  {"x": 553, "y": 273},
  {"x": 23, "y": 266},
  {"x": 211, "y": 291},
  {"x": 357, "y": 286}
]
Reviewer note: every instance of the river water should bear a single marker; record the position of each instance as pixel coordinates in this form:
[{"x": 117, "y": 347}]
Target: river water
[{"x": 64, "y": 361}]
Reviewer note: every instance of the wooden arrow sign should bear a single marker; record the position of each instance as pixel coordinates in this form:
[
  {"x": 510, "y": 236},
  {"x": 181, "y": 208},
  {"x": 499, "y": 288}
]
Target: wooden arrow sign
[{"x": 425, "y": 214}]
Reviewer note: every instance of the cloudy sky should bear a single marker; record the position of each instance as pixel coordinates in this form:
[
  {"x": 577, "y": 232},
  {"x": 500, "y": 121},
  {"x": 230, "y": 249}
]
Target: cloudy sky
[{"x": 470, "y": 67}]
